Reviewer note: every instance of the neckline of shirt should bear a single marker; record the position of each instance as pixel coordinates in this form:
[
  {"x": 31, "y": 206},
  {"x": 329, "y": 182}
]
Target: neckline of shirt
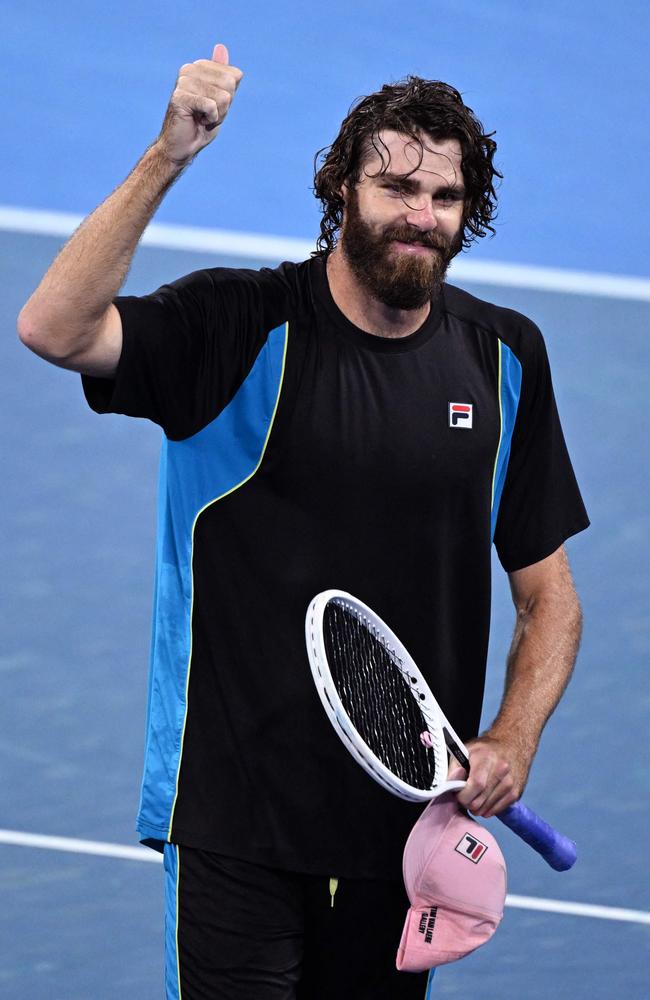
[{"x": 371, "y": 341}]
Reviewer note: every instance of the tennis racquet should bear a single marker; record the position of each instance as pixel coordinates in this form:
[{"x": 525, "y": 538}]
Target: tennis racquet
[{"x": 386, "y": 716}]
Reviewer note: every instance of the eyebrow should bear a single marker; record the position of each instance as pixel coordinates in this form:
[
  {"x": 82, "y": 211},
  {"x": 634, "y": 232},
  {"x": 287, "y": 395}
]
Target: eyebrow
[{"x": 412, "y": 184}]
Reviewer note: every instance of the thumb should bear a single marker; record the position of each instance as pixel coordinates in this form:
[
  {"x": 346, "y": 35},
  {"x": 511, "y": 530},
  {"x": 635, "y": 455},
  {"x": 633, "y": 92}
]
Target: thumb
[
  {"x": 220, "y": 54},
  {"x": 456, "y": 772}
]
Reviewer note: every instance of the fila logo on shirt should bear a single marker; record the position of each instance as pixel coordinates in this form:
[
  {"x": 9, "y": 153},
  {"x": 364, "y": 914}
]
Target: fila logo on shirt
[
  {"x": 471, "y": 848},
  {"x": 460, "y": 415}
]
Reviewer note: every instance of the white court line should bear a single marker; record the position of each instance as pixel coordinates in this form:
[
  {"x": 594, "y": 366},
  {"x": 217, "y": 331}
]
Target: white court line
[
  {"x": 578, "y": 909},
  {"x": 277, "y": 248},
  {"x": 17, "y": 838},
  {"x": 103, "y": 850}
]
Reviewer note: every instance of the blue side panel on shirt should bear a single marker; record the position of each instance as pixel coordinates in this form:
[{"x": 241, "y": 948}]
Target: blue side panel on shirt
[
  {"x": 509, "y": 393},
  {"x": 171, "y": 861},
  {"x": 194, "y": 473}
]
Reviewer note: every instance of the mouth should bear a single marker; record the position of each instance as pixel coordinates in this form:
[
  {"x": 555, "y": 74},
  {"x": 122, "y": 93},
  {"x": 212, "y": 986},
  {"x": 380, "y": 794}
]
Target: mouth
[{"x": 413, "y": 248}]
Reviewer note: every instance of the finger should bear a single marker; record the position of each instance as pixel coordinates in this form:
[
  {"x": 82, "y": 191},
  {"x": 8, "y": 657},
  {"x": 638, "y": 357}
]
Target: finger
[
  {"x": 220, "y": 54},
  {"x": 498, "y": 805},
  {"x": 498, "y": 794},
  {"x": 474, "y": 803},
  {"x": 472, "y": 795},
  {"x": 207, "y": 74},
  {"x": 501, "y": 796},
  {"x": 206, "y": 88},
  {"x": 481, "y": 788},
  {"x": 204, "y": 110},
  {"x": 479, "y": 778}
]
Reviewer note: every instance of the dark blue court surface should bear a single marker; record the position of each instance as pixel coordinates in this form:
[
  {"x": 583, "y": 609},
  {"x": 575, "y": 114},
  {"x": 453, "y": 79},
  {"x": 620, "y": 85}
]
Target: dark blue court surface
[
  {"x": 567, "y": 91},
  {"x": 78, "y": 543}
]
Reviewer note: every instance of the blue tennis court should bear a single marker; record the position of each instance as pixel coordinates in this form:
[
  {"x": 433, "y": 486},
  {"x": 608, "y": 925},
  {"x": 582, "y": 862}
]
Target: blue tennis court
[{"x": 82, "y": 915}]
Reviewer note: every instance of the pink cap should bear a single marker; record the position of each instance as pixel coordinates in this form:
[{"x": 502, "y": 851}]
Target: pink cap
[{"x": 455, "y": 877}]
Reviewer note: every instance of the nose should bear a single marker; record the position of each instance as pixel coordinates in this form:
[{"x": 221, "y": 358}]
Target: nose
[{"x": 422, "y": 215}]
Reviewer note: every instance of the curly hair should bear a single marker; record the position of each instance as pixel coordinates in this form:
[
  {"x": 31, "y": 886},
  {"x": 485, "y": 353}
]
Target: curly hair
[{"x": 411, "y": 107}]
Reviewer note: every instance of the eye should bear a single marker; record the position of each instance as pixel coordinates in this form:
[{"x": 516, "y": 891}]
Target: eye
[{"x": 449, "y": 197}]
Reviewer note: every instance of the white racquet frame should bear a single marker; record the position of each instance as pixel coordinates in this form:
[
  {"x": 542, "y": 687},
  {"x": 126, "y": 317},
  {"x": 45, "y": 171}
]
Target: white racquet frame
[{"x": 436, "y": 720}]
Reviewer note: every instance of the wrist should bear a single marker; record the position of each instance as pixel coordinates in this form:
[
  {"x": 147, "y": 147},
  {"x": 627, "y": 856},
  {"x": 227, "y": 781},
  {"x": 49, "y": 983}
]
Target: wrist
[
  {"x": 519, "y": 741},
  {"x": 158, "y": 158}
]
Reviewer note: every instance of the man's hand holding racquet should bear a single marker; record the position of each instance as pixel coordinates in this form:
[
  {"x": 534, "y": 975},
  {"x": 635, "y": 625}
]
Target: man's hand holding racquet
[{"x": 497, "y": 777}]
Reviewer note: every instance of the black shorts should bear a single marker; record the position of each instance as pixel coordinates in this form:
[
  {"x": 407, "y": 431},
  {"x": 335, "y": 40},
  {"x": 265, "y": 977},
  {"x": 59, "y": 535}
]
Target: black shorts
[{"x": 240, "y": 931}]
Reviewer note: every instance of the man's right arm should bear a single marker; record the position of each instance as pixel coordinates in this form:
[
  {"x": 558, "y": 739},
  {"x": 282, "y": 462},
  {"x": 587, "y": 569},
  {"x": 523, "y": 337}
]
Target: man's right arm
[{"x": 70, "y": 319}]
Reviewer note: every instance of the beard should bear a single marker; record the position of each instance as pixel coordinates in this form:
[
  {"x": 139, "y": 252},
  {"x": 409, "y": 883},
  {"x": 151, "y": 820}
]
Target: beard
[{"x": 399, "y": 280}]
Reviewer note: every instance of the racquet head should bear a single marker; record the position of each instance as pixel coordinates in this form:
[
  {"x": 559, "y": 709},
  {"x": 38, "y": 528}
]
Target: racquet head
[{"x": 376, "y": 698}]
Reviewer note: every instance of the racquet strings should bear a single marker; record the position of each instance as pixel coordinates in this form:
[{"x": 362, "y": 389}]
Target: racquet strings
[{"x": 377, "y": 695}]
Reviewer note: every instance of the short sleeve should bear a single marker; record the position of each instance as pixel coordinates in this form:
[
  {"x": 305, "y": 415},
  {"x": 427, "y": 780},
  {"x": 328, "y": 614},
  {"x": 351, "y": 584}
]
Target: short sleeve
[
  {"x": 187, "y": 348},
  {"x": 541, "y": 505}
]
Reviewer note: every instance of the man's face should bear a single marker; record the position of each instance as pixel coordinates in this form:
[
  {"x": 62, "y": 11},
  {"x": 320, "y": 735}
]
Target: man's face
[{"x": 402, "y": 227}]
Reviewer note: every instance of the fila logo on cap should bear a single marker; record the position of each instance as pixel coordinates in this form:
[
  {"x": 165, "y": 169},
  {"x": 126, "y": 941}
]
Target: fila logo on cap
[
  {"x": 460, "y": 415},
  {"x": 471, "y": 848}
]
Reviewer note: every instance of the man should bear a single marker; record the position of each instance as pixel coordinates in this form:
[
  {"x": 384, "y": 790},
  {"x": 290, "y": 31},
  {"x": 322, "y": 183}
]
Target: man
[{"x": 351, "y": 421}]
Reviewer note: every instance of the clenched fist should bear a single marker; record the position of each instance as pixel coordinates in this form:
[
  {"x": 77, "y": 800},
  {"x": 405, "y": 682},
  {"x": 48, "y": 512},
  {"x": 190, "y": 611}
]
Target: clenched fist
[{"x": 200, "y": 102}]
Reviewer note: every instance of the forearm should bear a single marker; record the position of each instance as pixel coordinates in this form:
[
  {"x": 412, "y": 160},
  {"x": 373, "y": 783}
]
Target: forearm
[
  {"x": 86, "y": 276},
  {"x": 540, "y": 663},
  {"x": 69, "y": 319}
]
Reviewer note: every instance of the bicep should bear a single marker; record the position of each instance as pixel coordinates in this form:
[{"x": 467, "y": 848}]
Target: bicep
[
  {"x": 101, "y": 357},
  {"x": 550, "y": 577},
  {"x": 183, "y": 351}
]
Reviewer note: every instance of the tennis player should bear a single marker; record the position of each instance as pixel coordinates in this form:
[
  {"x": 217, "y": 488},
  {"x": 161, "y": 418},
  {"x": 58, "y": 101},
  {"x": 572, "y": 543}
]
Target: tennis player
[{"x": 350, "y": 421}]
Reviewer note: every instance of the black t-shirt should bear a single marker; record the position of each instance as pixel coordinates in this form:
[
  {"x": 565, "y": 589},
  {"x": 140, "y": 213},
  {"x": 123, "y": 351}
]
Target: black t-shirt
[{"x": 300, "y": 454}]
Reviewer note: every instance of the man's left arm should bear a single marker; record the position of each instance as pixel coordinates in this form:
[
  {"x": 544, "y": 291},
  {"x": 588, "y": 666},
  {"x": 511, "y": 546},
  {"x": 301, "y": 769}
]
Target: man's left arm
[{"x": 541, "y": 659}]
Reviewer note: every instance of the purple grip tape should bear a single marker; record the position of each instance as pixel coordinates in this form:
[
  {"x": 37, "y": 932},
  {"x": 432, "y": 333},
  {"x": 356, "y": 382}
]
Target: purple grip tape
[{"x": 554, "y": 847}]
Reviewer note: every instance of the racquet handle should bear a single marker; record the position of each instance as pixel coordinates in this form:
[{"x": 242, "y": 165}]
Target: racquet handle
[{"x": 554, "y": 847}]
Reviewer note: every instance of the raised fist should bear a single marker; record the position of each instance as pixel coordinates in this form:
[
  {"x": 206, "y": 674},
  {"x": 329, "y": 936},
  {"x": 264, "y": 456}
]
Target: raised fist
[{"x": 200, "y": 102}]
